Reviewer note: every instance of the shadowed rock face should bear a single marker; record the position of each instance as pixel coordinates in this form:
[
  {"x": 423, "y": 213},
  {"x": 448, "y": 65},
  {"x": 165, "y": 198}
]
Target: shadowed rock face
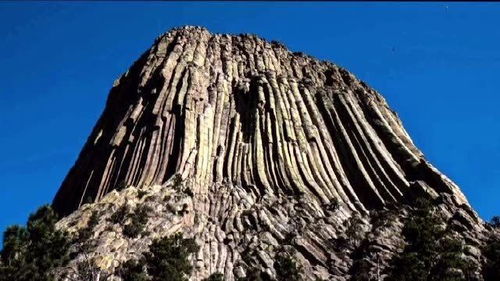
[
  {"x": 240, "y": 110},
  {"x": 276, "y": 150}
]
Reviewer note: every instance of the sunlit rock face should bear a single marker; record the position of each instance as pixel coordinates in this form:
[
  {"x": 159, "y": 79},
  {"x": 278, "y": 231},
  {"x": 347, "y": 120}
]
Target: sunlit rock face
[
  {"x": 267, "y": 141},
  {"x": 241, "y": 110}
]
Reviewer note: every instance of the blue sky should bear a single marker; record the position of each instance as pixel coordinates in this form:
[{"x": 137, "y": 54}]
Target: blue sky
[{"x": 437, "y": 64}]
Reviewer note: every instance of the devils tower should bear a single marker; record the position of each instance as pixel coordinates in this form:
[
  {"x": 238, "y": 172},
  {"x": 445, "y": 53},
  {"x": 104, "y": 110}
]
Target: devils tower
[{"x": 271, "y": 147}]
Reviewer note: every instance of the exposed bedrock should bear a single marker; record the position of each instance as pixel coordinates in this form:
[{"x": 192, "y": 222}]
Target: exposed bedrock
[
  {"x": 241, "y": 110},
  {"x": 273, "y": 150}
]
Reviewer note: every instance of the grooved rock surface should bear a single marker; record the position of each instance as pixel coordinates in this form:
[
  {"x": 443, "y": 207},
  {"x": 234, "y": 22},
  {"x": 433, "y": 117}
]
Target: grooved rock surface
[
  {"x": 266, "y": 140},
  {"x": 238, "y": 109}
]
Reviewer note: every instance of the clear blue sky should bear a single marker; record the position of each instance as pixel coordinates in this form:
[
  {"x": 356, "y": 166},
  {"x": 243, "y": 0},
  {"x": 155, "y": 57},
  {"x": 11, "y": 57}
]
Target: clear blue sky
[{"x": 437, "y": 64}]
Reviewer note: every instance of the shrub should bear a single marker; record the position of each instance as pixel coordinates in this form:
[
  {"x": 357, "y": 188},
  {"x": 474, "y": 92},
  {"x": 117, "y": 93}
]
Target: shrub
[
  {"x": 333, "y": 206},
  {"x": 430, "y": 254},
  {"x": 133, "y": 271},
  {"x": 255, "y": 274},
  {"x": 495, "y": 221},
  {"x": 491, "y": 269},
  {"x": 177, "y": 182},
  {"x": 354, "y": 230},
  {"x": 215, "y": 277},
  {"x": 87, "y": 232},
  {"x": 361, "y": 270},
  {"x": 138, "y": 222},
  {"x": 32, "y": 253},
  {"x": 167, "y": 259},
  {"x": 87, "y": 270},
  {"x": 286, "y": 268},
  {"x": 119, "y": 216},
  {"x": 121, "y": 186},
  {"x": 141, "y": 193}
]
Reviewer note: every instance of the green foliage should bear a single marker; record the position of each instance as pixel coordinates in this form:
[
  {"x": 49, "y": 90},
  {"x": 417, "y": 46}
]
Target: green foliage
[
  {"x": 177, "y": 182},
  {"x": 430, "y": 255},
  {"x": 361, "y": 270},
  {"x": 286, "y": 268},
  {"x": 255, "y": 274},
  {"x": 215, "y": 277},
  {"x": 32, "y": 253},
  {"x": 422, "y": 231},
  {"x": 491, "y": 269},
  {"x": 138, "y": 221},
  {"x": 87, "y": 232},
  {"x": 333, "y": 206},
  {"x": 167, "y": 259},
  {"x": 121, "y": 186},
  {"x": 495, "y": 221},
  {"x": 354, "y": 229},
  {"x": 88, "y": 200},
  {"x": 133, "y": 271},
  {"x": 87, "y": 270},
  {"x": 15, "y": 244},
  {"x": 408, "y": 267},
  {"x": 120, "y": 215},
  {"x": 141, "y": 193},
  {"x": 450, "y": 266}
]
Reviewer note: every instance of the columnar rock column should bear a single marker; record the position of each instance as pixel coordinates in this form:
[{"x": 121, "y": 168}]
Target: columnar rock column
[
  {"x": 238, "y": 109},
  {"x": 276, "y": 151}
]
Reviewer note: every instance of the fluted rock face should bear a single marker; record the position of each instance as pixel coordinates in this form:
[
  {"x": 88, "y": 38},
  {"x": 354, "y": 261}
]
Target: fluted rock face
[
  {"x": 266, "y": 142},
  {"x": 238, "y": 109}
]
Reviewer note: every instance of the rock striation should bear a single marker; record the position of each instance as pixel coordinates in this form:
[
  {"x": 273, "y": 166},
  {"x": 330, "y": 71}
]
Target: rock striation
[
  {"x": 238, "y": 109},
  {"x": 267, "y": 141}
]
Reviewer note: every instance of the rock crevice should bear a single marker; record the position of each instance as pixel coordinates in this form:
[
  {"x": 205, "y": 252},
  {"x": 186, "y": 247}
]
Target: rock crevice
[
  {"x": 239, "y": 109},
  {"x": 279, "y": 151}
]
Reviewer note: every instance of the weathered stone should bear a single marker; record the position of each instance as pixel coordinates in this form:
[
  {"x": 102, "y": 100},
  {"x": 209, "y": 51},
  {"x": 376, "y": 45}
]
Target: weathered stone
[{"x": 275, "y": 151}]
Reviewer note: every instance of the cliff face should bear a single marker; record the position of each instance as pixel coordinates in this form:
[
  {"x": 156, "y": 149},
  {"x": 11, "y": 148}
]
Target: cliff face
[
  {"x": 266, "y": 140},
  {"x": 237, "y": 109}
]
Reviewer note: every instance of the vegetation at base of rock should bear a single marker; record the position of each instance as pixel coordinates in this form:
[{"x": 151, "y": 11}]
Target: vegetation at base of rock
[
  {"x": 255, "y": 274},
  {"x": 87, "y": 232},
  {"x": 354, "y": 230},
  {"x": 177, "y": 182},
  {"x": 141, "y": 193},
  {"x": 215, "y": 277},
  {"x": 133, "y": 270},
  {"x": 361, "y": 270},
  {"x": 167, "y": 259},
  {"x": 333, "y": 206},
  {"x": 120, "y": 215},
  {"x": 32, "y": 253},
  {"x": 121, "y": 186},
  {"x": 495, "y": 221},
  {"x": 86, "y": 270},
  {"x": 138, "y": 221},
  {"x": 491, "y": 268},
  {"x": 286, "y": 268},
  {"x": 431, "y": 253}
]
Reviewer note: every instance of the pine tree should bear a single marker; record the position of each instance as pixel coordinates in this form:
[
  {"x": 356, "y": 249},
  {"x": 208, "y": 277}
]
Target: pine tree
[
  {"x": 32, "y": 253},
  {"x": 286, "y": 268},
  {"x": 431, "y": 254},
  {"x": 167, "y": 259},
  {"x": 215, "y": 277},
  {"x": 491, "y": 270}
]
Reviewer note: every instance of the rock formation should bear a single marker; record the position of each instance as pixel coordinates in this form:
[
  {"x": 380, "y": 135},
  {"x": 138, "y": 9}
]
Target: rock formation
[{"x": 266, "y": 141}]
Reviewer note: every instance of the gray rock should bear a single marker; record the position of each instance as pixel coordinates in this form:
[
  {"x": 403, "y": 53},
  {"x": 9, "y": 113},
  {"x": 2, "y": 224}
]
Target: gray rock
[{"x": 275, "y": 150}]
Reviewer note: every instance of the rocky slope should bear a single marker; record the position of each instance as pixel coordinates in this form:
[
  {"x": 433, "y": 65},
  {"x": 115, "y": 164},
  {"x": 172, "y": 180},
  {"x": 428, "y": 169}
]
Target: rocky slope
[{"x": 252, "y": 149}]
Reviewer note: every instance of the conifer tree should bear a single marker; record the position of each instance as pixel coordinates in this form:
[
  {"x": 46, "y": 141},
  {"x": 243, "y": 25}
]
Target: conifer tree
[
  {"x": 431, "y": 254},
  {"x": 167, "y": 259},
  {"x": 491, "y": 269},
  {"x": 32, "y": 253}
]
